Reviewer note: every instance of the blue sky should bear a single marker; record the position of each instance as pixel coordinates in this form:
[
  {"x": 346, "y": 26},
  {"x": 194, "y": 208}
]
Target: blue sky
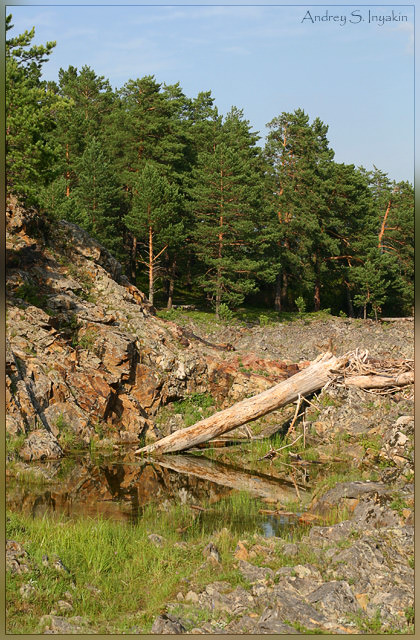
[{"x": 358, "y": 77}]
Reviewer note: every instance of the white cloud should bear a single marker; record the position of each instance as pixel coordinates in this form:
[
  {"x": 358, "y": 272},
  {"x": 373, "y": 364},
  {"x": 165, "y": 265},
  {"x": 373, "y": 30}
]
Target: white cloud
[{"x": 408, "y": 28}]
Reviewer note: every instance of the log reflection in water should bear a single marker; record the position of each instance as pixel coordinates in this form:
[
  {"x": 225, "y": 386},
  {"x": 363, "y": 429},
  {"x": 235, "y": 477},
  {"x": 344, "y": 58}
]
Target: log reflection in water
[{"x": 262, "y": 486}]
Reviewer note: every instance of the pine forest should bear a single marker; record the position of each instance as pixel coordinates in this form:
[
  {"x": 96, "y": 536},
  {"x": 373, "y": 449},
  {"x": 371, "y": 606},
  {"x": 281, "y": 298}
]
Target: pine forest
[{"x": 195, "y": 205}]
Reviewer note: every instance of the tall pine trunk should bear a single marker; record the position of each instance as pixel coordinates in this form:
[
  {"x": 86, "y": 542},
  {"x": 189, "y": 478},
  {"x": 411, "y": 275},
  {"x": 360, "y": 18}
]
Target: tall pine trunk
[
  {"x": 277, "y": 293},
  {"x": 67, "y": 172},
  {"x": 317, "y": 287},
  {"x": 349, "y": 302},
  {"x": 133, "y": 260},
  {"x": 284, "y": 289},
  {"x": 188, "y": 273},
  {"x": 218, "y": 292},
  {"x": 317, "y": 295},
  {"x": 219, "y": 272},
  {"x": 171, "y": 284},
  {"x": 151, "y": 275}
]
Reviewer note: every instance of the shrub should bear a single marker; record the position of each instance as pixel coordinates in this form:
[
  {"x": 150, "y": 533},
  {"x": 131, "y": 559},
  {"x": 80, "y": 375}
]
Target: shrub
[
  {"x": 29, "y": 292},
  {"x": 301, "y": 304},
  {"x": 225, "y": 314}
]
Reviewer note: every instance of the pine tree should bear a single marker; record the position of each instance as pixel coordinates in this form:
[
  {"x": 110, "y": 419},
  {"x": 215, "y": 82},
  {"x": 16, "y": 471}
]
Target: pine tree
[
  {"x": 146, "y": 126},
  {"x": 298, "y": 182},
  {"x": 225, "y": 195},
  {"x": 91, "y": 99},
  {"x": 350, "y": 211},
  {"x": 97, "y": 196},
  {"x": 30, "y": 109},
  {"x": 392, "y": 233},
  {"x": 370, "y": 283},
  {"x": 153, "y": 218}
]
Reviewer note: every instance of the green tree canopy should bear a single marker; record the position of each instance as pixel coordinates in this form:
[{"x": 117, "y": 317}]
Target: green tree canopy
[{"x": 31, "y": 108}]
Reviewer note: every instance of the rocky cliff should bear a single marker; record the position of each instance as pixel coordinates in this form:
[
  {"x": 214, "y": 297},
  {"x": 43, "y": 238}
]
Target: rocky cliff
[{"x": 87, "y": 357}]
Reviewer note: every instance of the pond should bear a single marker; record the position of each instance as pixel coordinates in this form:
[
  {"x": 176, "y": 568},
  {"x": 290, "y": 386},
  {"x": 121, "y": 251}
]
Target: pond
[{"x": 120, "y": 486}]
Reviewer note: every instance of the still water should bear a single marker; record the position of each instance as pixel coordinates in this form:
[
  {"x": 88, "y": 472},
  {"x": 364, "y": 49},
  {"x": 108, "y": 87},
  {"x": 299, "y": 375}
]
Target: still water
[{"x": 120, "y": 487}]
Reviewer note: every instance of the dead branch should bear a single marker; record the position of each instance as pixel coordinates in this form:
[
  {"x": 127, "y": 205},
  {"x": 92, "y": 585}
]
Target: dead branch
[{"x": 356, "y": 369}]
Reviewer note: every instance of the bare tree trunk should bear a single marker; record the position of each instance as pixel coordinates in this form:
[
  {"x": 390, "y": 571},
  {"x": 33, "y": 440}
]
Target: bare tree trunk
[
  {"x": 349, "y": 302},
  {"x": 219, "y": 268},
  {"x": 277, "y": 295},
  {"x": 406, "y": 319},
  {"x": 284, "y": 288},
  {"x": 133, "y": 260},
  {"x": 380, "y": 381},
  {"x": 383, "y": 225},
  {"x": 151, "y": 276},
  {"x": 303, "y": 383},
  {"x": 218, "y": 294},
  {"x": 317, "y": 296},
  {"x": 171, "y": 284}
]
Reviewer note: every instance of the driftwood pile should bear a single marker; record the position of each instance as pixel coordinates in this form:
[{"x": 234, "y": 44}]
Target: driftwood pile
[
  {"x": 353, "y": 369},
  {"x": 383, "y": 376}
]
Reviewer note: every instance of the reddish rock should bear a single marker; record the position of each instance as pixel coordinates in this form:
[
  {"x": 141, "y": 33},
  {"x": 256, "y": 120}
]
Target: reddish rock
[
  {"x": 129, "y": 416},
  {"x": 93, "y": 394},
  {"x": 138, "y": 296},
  {"x": 41, "y": 445},
  {"x": 111, "y": 360},
  {"x": 70, "y": 415},
  {"x": 25, "y": 403},
  {"x": 145, "y": 388},
  {"x": 117, "y": 350}
]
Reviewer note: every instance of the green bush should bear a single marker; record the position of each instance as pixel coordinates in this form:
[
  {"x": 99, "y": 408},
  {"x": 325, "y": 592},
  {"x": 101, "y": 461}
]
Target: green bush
[
  {"x": 264, "y": 320},
  {"x": 225, "y": 314},
  {"x": 29, "y": 292},
  {"x": 301, "y": 304}
]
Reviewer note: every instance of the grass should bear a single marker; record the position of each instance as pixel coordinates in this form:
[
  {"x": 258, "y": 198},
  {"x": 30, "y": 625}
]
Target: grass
[
  {"x": 87, "y": 340},
  {"x": 239, "y": 511},
  {"x": 372, "y": 442},
  {"x": 14, "y": 444},
  {"x": 206, "y": 319},
  {"x": 27, "y": 477},
  {"x": 305, "y": 630},
  {"x": 345, "y": 474},
  {"x": 67, "y": 437},
  {"x": 192, "y": 409},
  {"x": 135, "y": 577},
  {"x": 398, "y": 504},
  {"x": 368, "y": 625}
]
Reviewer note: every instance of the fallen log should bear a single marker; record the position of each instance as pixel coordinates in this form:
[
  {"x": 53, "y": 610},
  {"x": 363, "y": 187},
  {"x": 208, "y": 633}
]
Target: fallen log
[
  {"x": 380, "y": 381},
  {"x": 304, "y": 383},
  {"x": 405, "y": 319}
]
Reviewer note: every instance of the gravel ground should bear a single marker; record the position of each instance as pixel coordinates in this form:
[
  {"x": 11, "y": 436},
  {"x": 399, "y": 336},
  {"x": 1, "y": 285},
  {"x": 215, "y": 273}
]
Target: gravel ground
[{"x": 305, "y": 339}]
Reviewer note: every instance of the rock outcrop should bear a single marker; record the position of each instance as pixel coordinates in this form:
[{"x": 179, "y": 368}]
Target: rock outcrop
[
  {"x": 361, "y": 574},
  {"x": 86, "y": 354}
]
